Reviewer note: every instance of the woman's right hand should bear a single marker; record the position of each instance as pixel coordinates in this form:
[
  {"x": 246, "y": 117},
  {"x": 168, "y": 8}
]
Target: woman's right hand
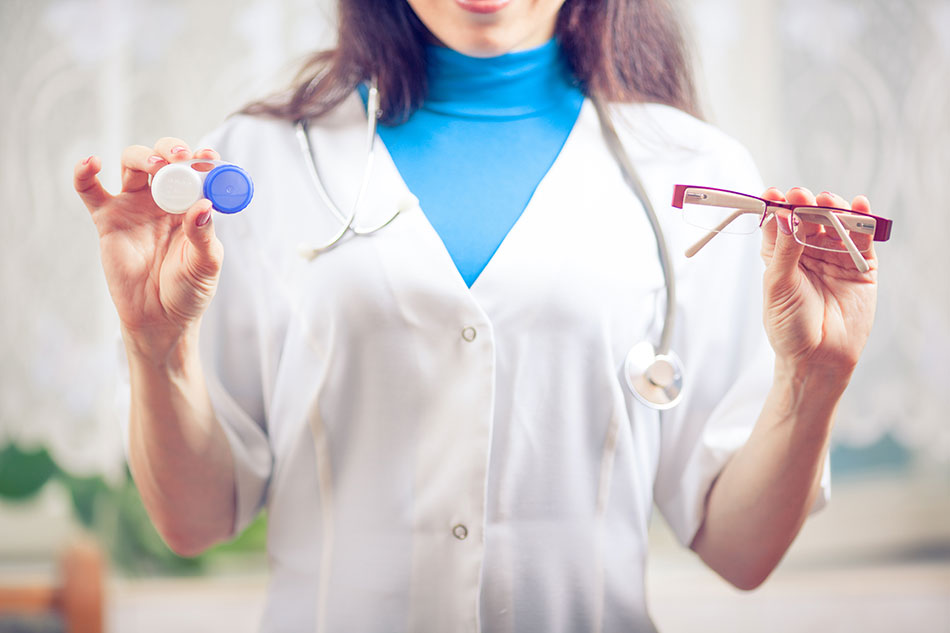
[{"x": 162, "y": 269}]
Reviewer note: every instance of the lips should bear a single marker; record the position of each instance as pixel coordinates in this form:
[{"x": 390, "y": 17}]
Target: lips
[{"x": 483, "y": 6}]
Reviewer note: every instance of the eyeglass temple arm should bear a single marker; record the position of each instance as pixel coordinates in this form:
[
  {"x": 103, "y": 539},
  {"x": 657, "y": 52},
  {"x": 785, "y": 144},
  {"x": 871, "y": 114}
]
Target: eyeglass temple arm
[
  {"x": 695, "y": 248},
  {"x": 860, "y": 263}
]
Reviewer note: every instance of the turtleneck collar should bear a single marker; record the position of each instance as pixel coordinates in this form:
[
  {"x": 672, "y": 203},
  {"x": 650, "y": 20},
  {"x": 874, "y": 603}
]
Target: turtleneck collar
[{"x": 510, "y": 86}]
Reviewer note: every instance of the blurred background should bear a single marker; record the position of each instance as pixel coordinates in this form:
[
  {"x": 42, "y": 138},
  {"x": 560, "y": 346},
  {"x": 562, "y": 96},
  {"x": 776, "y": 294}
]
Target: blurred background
[{"x": 850, "y": 96}]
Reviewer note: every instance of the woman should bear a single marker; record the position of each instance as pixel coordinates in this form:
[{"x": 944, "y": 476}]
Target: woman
[{"x": 434, "y": 414}]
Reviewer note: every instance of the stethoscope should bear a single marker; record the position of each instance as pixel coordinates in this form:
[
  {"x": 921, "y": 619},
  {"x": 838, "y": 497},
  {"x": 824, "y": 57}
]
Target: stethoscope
[
  {"x": 309, "y": 252},
  {"x": 654, "y": 375}
]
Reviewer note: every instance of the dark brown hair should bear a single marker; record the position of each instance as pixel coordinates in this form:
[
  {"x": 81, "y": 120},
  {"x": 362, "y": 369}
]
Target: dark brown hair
[{"x": 619, "y": 50}]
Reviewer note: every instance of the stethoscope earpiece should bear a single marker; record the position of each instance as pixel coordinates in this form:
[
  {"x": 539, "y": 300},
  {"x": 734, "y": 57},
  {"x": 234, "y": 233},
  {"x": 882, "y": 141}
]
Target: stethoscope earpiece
[{"x": 656, "y": 380}]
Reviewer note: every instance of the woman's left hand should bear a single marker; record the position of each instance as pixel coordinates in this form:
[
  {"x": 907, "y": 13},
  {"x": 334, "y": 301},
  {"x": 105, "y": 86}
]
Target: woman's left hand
[{"x": 818, "y": 307}]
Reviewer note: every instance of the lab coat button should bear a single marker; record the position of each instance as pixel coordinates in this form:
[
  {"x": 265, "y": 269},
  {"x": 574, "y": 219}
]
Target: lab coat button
[
  {"x": 460, "y": 532},
  {"x": 469, "y": 334}
]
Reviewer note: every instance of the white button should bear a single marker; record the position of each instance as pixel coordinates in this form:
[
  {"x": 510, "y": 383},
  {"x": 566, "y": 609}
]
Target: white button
[
  {"x": 460, "y": 532},
  {"x": 469, "y": 334}
]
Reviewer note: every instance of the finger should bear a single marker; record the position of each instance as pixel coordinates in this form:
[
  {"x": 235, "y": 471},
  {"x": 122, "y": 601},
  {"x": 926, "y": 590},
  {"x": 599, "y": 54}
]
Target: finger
[
  {"x": 199, "y": 229},
  {"x": 769, "y": 227},
  {"x": 828, "y": 199},
  {"x": 864, "y": 242},
  {"x": 800, "y": 195},
  {"x": 87, "y": 185},
  {"x": 210, "y": 154},
  {"x": 788, "y": 252},
  {"x": 173, "y": 149},
  {"x": 138, "y": 163},
  {"x": 861, "y": 203}
]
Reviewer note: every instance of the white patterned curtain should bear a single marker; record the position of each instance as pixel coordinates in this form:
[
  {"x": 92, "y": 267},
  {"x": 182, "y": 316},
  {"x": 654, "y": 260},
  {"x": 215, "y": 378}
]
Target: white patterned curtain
[
  {"x": 91, "y": 76},
  {"x": 853, "y": 96},
  {"x": 850, "y": 96}
]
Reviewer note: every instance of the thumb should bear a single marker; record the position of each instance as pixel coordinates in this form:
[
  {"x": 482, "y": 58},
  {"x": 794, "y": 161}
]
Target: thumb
[
  {"x": 206, "y": 253},
  {"x": 787, "y": 251}
]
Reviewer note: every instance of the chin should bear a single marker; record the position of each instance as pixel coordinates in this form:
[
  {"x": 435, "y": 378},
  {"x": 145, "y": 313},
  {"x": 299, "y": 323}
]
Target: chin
[
  {"x": 489, "y": 41},
  {"x": 487, "y": 28},
  {"x": 483, "y": 48}
]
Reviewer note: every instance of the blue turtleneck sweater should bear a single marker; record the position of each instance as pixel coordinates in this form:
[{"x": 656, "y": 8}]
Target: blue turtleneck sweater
[{"x": 489, "y": 130}]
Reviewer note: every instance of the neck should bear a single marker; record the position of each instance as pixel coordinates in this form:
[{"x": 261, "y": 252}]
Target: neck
[{"x": 514, "y": 85}]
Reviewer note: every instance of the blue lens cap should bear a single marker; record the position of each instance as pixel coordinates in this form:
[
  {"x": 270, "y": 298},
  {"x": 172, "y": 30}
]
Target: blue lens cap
[{"x": 229, "y": 188}]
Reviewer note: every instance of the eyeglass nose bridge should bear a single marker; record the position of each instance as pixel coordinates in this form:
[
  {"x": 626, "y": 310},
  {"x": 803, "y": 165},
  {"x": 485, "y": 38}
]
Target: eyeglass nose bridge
[
  {"x": 766, "y": 214},
  {"x": 770, "y": 206}
]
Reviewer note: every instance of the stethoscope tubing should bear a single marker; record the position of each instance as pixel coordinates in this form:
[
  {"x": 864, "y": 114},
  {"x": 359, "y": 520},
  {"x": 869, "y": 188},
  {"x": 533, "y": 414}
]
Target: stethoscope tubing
[
  {"x": 633, "y": 181},
  {"x": 346, "y": 220}
]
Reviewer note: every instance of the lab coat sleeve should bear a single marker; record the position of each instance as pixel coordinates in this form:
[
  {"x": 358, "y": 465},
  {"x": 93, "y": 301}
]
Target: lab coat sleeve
[{"x": 728, "y": 360}]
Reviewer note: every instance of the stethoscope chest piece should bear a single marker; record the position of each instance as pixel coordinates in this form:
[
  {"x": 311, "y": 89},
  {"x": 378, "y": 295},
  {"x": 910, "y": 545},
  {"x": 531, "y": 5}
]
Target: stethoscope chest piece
[{"x": 656, "y": 380}]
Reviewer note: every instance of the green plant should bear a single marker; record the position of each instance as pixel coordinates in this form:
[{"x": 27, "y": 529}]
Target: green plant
[{"x": 115, "y": 514}]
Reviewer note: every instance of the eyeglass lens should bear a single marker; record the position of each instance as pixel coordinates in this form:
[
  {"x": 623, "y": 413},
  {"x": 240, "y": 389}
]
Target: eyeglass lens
[
  {"x": 826, "y": 229},
  {"x": 722, "y": 211}
]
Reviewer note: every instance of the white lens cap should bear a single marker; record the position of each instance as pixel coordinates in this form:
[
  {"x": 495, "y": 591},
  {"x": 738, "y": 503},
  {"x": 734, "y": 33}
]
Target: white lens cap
[{"x": 176, "y": 187}]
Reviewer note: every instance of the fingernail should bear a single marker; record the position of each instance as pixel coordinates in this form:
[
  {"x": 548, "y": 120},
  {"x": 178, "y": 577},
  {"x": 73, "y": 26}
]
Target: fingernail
[
  {"x": 783, "y": 226},
  {"x": 156, "y": 159},
  {"x": 201, "y": 151},
  {"x": 178, "y": 149},
  {"x": 86, "y": 162},
  {"x": 203, "y": 218}
]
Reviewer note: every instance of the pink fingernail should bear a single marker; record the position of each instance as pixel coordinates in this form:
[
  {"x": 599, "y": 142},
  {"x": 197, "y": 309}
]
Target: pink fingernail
[
  {"x": 178, "y": 149},
  {"x": 156, "y": 159},
  {"x": 203, "y": 218},
  {"x": 783, "y": 226},
  {"x": 86, "y": 162}
]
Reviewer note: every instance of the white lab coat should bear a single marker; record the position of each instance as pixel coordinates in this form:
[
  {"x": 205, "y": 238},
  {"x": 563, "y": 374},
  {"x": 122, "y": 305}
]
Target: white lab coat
[{"x": 439, "y": 458}]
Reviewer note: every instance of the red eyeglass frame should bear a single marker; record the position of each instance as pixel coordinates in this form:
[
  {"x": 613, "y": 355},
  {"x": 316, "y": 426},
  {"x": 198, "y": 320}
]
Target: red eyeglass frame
[{"x": 882, "y": 226}]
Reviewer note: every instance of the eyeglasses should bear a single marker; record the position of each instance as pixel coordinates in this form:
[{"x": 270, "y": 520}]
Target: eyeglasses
[{"x": 822, "y": 228}]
